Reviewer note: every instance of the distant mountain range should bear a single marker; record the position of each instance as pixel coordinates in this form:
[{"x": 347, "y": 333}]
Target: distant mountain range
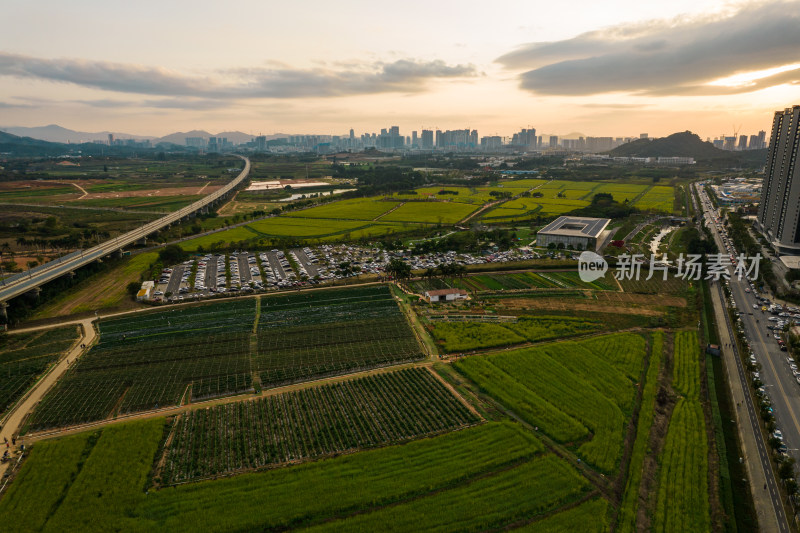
[
  {"x": 687, "y": 144},
  {"x": 59, "y": 134}
]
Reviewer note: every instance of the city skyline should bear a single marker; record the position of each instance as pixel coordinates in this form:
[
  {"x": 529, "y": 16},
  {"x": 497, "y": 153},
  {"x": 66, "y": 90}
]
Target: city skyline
[{"x": 618, "y": 69}]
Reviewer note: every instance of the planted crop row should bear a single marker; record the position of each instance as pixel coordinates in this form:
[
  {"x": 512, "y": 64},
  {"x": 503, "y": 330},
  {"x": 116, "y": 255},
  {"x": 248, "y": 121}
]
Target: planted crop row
[
  {"x": 25, "y": 356},
  {"x": 466, "y": 336},
  {"x": 683, "y": 477},
  {"x": 147, "y": 362},
  {"x": 686, "y": 369},
  {"x": 539, "y": 486},
  {"x": 310, "y": 423},
  {"x": 576, "y": 397},
  {"x": 626, "y": 521},
  {"x": 562, "y": 389}
]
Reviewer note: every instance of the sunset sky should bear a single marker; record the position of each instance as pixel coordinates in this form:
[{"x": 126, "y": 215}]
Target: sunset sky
[{"x": 614, "y": 68}]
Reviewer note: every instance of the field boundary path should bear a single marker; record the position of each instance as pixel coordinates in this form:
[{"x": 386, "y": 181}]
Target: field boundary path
[
  {"x": 756, "y": 460},
  {"x": 16, "y": 416}
]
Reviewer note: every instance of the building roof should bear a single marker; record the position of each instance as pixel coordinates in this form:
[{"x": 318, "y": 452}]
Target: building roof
[
  {"x": 576, "y": 227},
  {"x": 444, "y": 292}
]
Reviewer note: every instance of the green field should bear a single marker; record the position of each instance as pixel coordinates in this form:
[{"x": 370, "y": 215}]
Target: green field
[
  {"x": 565, "y": 389},
  {"x": 430, "y": 212},
  {"x": 454, "y": 482},
  {"x": 626, "y": 521},
  {"x": 25, "y": 356},
  {"x": 511, "y": 282},
  {"x": 355, "y": 209},
  {"x": 471, "y": 335},
  {"x": 682, "y": 500}
]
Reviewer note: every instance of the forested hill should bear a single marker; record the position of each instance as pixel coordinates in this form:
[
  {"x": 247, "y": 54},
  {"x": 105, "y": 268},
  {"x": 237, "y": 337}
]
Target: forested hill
[{"x": 688, "y": 144}]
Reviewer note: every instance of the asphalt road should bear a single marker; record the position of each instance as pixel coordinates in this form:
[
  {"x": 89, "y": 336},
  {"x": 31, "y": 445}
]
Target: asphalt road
[
  {"x": 310, "y": 267},
  {"x": 175, "y": 280},
  {"x": 782, "y": 388}
]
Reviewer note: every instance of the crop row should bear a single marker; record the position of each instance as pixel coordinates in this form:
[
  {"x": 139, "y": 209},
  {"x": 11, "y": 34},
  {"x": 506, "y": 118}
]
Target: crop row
[
  {"x": 310, "y": 423},
  {"x": 566, "y": 390},
  {"x": 626, "y": 520},
  {"x": 466, "y": 336},
  {"x": 25, "y": 356},
  {"x": 682, "y": 503},
  {"x": 686, "y": 369}
]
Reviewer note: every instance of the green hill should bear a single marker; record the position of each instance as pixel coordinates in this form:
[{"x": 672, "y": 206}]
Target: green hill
[{"x": 688, "y": 144}]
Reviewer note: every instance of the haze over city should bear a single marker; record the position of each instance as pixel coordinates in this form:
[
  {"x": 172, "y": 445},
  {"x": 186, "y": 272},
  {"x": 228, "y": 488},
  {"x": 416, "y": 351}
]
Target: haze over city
[{"x": 613, "y": 68}]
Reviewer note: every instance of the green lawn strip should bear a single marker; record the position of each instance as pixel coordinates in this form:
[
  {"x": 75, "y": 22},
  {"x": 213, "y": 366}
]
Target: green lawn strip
[
  {"x": 626, "y": 521},
  {"x": 533, "y": 488}
]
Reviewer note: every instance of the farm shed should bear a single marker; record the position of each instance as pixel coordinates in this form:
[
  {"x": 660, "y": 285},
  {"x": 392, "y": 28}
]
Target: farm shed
[{"x": 445, "y": 295}]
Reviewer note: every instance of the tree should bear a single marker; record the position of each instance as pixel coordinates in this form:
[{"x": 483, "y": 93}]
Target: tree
[
  {"x": 172, "y": 254},
  {"x": 398, "y": 269},
  {"x": 133, "y": 288},
  {"x": 786, "y": 470}
]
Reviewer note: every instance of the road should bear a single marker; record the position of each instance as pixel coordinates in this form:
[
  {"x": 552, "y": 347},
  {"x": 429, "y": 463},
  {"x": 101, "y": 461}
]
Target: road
[
  {"x": 14, "y": 419},
  {"x": 18, "y": 285},
  {"x": 781, "y": 386}
]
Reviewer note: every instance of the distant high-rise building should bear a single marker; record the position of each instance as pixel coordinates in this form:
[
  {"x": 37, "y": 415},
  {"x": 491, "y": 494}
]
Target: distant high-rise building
[
  {"x": 753, "y": 144},
  {"x": 352, "y": 134},
  {"x": 643, "y": 136},
  {"x": 196, "y": 142},
  {"x": 779, "y": 211},
  {"x": 525, "y": 138},
  {"x": 110, "y": 139},
  {"x": 553, "y": 141},
  {"x": 762, "y": 139},
  {"x": 427, "y": 139},
  {"x": 414, "y": 139},
  {"x": 729, "y": 144},
  {"x": 439, "y": 139},
  {"x": 742, "y": 143}
]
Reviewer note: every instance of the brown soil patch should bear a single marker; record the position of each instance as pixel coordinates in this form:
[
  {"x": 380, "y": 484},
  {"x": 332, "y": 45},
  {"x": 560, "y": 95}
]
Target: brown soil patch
[
  {"x": 566, "y": 304},
  {"x": 170, "y": 191},
  {"x": 641, "y": 299},
  {"x": 31, "y": 185}
]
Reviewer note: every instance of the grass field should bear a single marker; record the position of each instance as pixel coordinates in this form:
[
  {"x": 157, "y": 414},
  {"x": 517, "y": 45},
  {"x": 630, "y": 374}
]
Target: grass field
[
  {"x": 453, "y": 482},
  {"x": 566, "y": 390},
  {"x": 107, "y": 290},
  {"x": 25, "y": 356},
  {"x": 466, "y": 336},
  {"x": 430, "y": 212},
  {"x": 355, "y": 209}
]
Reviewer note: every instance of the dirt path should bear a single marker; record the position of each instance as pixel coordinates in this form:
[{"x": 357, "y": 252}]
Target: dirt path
[
  {"x": 200, "y": 191},
  {"x": 84, "y": 192},
  {"x": 15, "y": 418}
]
